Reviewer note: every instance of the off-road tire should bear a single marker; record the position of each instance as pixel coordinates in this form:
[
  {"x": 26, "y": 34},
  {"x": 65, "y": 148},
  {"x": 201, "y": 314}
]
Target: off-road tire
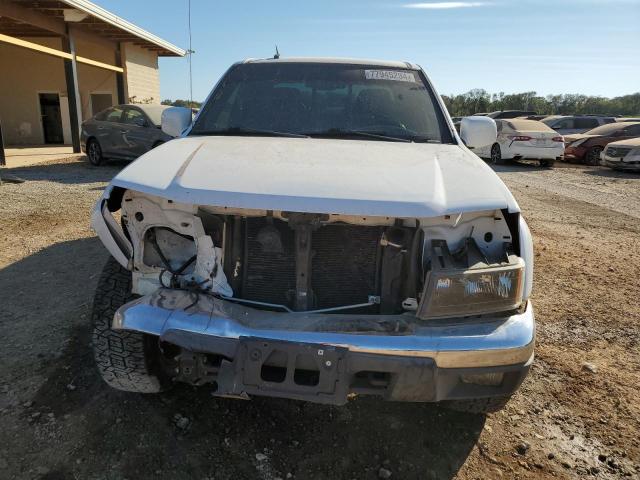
[
  {"x": 126, "y": 360},
  {"x": 478, "y": 405}
]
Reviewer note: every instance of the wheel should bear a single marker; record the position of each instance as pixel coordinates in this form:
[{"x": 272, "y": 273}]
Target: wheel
[
  {"x": 547, "y": 163},
  {"x": 94, "y": 152},
  {"x": 126, "y": 360},
  {"x": 496, "y": 154},
  {"x": 593, "y": 156},
  {"x": 477, "y": 405}
]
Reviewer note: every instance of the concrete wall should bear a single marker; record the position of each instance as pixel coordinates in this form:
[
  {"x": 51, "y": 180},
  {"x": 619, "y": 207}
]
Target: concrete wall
[
  {"x": 24, "y": 73},
  {"x": 141, "y": 76},
  {"x": 94, "y": 79}
]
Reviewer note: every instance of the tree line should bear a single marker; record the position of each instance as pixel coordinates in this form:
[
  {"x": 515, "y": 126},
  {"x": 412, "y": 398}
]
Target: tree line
[
  {"x": 181, "y": 103},
  {"x": 479, "y": 100}
]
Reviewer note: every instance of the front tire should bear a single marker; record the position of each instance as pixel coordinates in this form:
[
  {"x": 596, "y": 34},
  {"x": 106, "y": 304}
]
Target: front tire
[
  {"x": 126, "y": 360},
  {"x": 496, "y": 154},
  {"x": 593, "y": 156},
  {"x": 94, "y": 152}
]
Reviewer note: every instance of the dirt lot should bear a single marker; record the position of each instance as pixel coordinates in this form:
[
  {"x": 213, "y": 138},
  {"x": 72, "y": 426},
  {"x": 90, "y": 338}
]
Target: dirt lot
[{"x": 577, "y": 415}]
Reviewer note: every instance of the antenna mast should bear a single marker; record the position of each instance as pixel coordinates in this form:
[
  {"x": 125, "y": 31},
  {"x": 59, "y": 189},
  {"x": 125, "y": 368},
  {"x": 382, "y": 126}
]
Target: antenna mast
[{"x": 190, "y": 52}]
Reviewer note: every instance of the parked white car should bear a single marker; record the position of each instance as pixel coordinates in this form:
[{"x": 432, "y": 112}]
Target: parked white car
[
  {"x": 321, "y": 231},
  {"x": 622, "y": 155},
  {"x": 519, "y": 138}
]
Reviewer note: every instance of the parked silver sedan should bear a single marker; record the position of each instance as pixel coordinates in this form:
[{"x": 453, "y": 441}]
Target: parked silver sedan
[{"x": 123, "y": 132}]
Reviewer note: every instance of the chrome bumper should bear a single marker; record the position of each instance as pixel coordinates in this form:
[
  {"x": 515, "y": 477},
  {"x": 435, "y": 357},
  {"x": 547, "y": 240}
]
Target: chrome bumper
[{"x": 463, "y": 343}]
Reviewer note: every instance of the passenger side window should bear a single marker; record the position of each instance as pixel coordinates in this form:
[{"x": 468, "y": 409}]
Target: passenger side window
[
  {"x": 115, "y": 115},
  {"x": 564, "y": 123},
  {"x": 133, "y": 116},
  {"x": 586, "y": 123}
]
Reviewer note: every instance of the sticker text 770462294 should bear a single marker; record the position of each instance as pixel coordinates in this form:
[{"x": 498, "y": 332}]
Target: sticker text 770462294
[{"x": 394, "y": 75}]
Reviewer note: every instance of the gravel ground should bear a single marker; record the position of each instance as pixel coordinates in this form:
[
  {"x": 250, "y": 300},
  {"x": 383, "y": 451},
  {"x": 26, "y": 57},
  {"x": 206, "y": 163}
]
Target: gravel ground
[{"x": 577, "y": 415}]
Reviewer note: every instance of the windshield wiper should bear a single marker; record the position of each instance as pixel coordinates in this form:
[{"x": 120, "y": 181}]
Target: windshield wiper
[
  {"x": 338, "y": 133},
  {"x": 248, "y": 131}
]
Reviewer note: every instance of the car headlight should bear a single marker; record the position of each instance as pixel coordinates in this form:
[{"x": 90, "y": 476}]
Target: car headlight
[
  {"x": 479, "y": 288},
  {"x": 632, "y": 156},
  {"x": 577, "y": 143}
]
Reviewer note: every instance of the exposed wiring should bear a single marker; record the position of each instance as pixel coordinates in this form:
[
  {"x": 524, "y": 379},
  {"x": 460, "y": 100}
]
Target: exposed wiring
[{"x": 168, "y": 268}]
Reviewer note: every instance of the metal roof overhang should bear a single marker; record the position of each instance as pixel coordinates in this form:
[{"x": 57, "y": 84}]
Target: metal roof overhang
[{"x": 40, "y": 18}]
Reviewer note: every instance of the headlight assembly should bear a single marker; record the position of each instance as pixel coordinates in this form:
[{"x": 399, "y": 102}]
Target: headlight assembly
[
  {"x": 468, "y": 284},
  {"x": 577, "y": 143}
]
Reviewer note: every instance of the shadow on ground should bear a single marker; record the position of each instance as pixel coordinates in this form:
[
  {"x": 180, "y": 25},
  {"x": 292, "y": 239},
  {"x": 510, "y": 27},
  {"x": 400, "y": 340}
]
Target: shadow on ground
[
  {"x": 517, "y": 165},
  {"x": 104, "y": 433},
  {"x": 78, "y": 171},
  {"x": 610, "y": 173}
]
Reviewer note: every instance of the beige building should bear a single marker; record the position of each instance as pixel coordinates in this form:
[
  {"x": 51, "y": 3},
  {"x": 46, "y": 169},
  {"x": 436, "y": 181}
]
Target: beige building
[{"x": 62, "y": 61}]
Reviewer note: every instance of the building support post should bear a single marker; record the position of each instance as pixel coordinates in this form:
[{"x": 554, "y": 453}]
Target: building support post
[
  {"x": 3, "y": 158},
  {"x": 73, "y": 92},
  {"x": 120, "y": 76}
]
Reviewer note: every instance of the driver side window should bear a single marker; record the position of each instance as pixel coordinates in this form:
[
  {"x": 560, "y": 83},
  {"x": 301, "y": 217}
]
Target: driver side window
[{"x": 133, "y": 116}]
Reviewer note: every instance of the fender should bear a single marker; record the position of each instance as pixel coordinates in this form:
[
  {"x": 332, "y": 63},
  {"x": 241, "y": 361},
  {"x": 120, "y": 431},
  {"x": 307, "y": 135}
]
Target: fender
[{"x": 109, "y": 232}]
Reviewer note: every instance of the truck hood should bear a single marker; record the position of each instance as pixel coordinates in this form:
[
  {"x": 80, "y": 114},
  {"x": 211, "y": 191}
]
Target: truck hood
[{"x": 349, "y": 177}]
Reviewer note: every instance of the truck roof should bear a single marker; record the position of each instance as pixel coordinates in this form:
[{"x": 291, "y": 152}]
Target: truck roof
[{"x": 337, "y": 60}]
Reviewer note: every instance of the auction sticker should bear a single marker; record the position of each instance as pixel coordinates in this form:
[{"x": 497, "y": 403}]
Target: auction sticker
[{"x": 394, "y": 75}]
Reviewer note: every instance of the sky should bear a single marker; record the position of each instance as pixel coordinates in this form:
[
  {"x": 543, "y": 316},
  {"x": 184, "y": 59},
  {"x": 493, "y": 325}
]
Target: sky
[{"x": 548, "y": 46}]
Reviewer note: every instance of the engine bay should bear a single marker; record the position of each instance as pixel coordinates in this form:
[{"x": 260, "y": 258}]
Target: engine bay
[{"x": 307, "y": 262}]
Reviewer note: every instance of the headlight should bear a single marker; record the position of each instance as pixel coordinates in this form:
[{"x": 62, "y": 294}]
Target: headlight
[
  {"x": 578, "y": 142},
  {"x": 632, "y": 156},
  {"x": 484, "y": 287}
]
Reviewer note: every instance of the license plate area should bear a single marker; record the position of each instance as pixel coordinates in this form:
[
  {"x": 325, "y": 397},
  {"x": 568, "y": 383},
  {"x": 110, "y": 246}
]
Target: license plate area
[{"x": 272, "y": 367}]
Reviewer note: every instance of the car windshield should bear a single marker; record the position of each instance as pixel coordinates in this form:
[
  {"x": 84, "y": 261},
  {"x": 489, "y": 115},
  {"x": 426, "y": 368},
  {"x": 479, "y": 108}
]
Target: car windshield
[{"x": 324, "y": 100}]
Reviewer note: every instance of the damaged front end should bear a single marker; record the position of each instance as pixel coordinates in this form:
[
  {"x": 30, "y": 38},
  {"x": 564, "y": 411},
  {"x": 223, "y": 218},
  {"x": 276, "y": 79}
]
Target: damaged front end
[{"x": 319, "y": 306}]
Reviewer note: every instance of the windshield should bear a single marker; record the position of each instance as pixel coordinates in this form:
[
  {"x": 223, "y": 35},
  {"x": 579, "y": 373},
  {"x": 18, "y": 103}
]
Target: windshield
[{"x": 334, "y": 100}]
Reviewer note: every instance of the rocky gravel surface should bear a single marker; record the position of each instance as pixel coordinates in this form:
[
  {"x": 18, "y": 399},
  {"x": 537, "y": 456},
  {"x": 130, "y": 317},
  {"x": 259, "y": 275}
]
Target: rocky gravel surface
[{"x": 577, "y": 415}]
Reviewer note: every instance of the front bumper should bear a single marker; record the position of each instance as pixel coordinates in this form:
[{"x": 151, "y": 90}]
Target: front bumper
[
  {"x": 410, "y": 359},
  {"x": 618, "y": 164},
  {"x": 577, "y": 153}
]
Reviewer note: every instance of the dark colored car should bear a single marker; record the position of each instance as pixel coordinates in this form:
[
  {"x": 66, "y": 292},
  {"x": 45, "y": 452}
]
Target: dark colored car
[
  {"x": 534, "y": 117},
  {"x": 123, "y": 132},
  {"x": 587, "y": 147},
  {"x": 501, "y": 114}
]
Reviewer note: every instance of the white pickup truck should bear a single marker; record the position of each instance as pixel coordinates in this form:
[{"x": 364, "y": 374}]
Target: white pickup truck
[{"x": 319, "y": 231}]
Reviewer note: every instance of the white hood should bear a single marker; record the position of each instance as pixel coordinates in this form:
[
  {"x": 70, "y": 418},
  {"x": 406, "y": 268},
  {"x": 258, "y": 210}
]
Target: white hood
[{"x": 350, "y": 177}]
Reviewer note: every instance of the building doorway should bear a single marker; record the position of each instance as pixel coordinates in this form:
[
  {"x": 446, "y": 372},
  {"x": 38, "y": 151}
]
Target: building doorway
[
  {"x": 100, "y": 102},
  {"x": 51, "y": 118}
]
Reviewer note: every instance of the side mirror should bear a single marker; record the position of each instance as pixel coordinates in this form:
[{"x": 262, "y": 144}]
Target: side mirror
[
  {"x": 175, "y": 120},
  {"x": 478, "y": 131}
]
